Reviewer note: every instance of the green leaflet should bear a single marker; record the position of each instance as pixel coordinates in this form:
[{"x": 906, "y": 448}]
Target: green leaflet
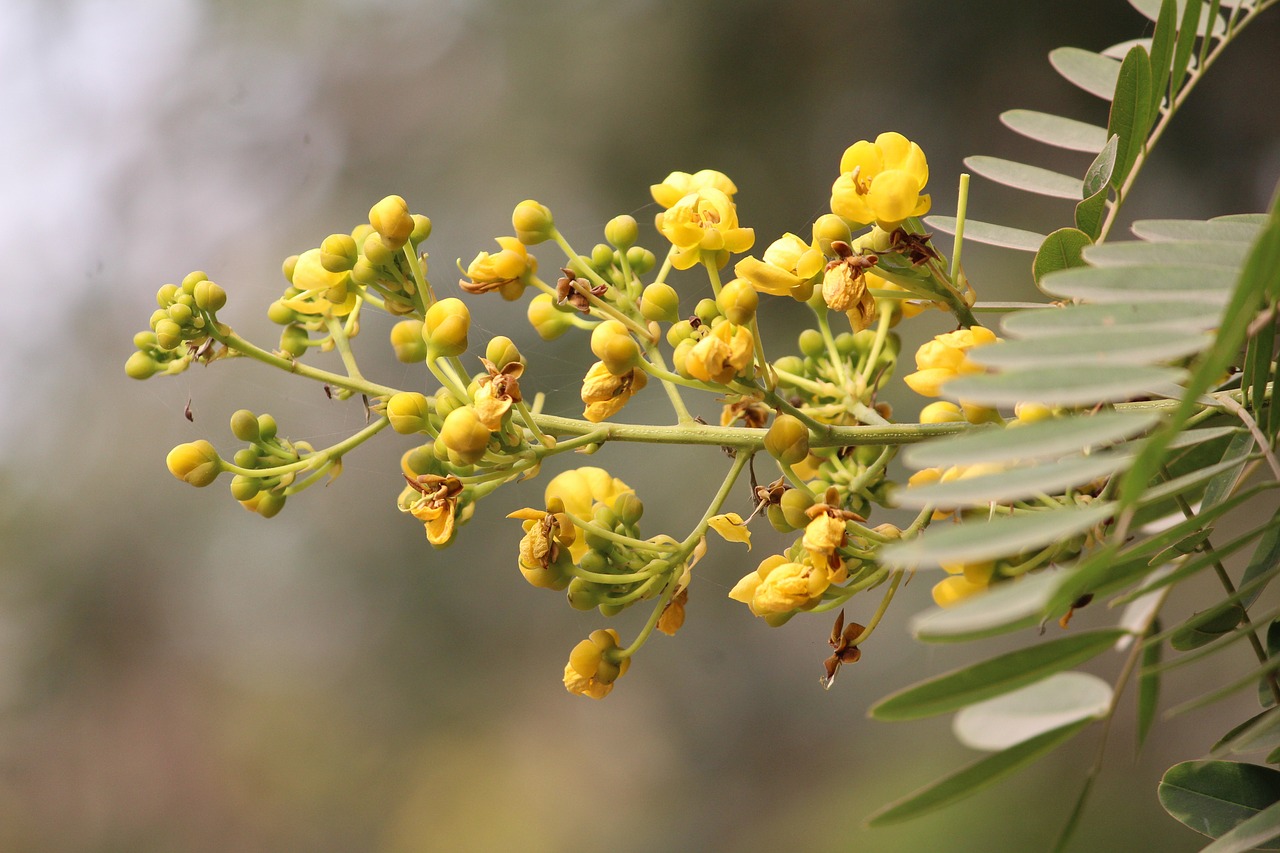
[
  {"x": 1208, "y": 286},
  {"x": 1021, "y": 176},
  {"x": 1143, "y": 318},
  {"x": 1083, "y": 68},
  {"x": 1050, "y": 703},
  {"x": 1055, "y": 130},
  {"x": 1099, "y": 347},
  {"x": 1078, "y": 385},
  {"x": 1013, "y": 484},
  {"x": 1213, "y": 797},
  {"x": 1060, "y": 250},
  {"x": 999, "y": 675},
  {"x": 974, "y": 777},
  {"x": 1046, "y": 439},
  {"x": 989, "y": 234},
  {"x": 1130, "y": 112},
  {"x": 1195, "y": 230}
]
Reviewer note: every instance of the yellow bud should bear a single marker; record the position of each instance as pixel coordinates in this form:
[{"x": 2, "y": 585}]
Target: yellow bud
[
  {"x": 548, "y": 320},
  {"x": 408, "y": 412},
  {"x": 502, "y": 351},
  {"x": 245, "y": 488},
  {"x": 377, "y": 251},
  {"x": 390, "y": 218},
  {"x": 787, "y": 440},
  {"x": 267, "y": 427},
  {"x": 338, "y": 253},
  {"x": 140, "y": 366},
  {"x": 244, "y": 425},
  {"x": 614, "y": 346},
  {"x": 407, "y": 341},
  {"x": 827, "y": 228},
  {"x": 168, "y": 334},
  {"x": 532, "y": 222},
  {"x": 191, "y": 279},
  {"x": 738, "y": 300},
  {"x": 679, "y": 331},
  {"x": 1029, "y": 413},
  {"x": 659, "y": 301},
  {"x": 293, "y": 340},
  {"x": 210, "y": 296},
  {"x": 280, "y": 313},
  {"x": 290, "y": 263},
  {"x": 621, "y": 231},
  {"x": 446, "y": 327},
  {"x": 463, "y": 434},
  {"x": 196, "y": 463},
  {"x": 265, "y": 504},
  {"x": 794, "y": 504},
  {"x": 421, "y": 229},
  {"x": 941, "y": 413},
  {"x": 641, "y": 260}
]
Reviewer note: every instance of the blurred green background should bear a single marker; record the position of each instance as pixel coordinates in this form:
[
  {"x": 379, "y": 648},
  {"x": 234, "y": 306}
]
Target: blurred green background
[{"x": 179, "y": 675}]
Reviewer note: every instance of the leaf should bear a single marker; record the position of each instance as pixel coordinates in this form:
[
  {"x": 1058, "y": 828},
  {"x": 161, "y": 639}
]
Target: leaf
[
  {"x": 1066, "y": 386},
  {"x": 1197, "y": 230},
  {"x": 1259, "y": 732},
  {"x": 1059, "y": 251},
  {"x": 989, "y": 234},
  {"x": 1213, "y": 797},
  {"x": 1134, "y": 284},
  {"x": 1097, "y": 179},
  {"x": 1050, "y": 703},
  {"x": 1102, "y": 347},
  {"x": 1087, "y": 70},
  {"x": 1130, "y": 112},
  {"x": 973, "y": 777},
  {"x": 1024, "y": 177},
  {"x": 1055, "y": 130},
  {"x": 1148, "y": 685},
  {"x": 1225, "y": 257},
  {"x": 1013, "y": 484},
  {"x": 1047, "y": 439},
  {"x": 1089, "y": 213},
  {"x": 1265, "y": 559},
  {"x": 1184, "y": 45},
  {"x": 1162, "y": 43},
  {"x": 1206, "y": 626},
  {"x": 1002, "y": 608},
  {"x": 1266, "y": 698},
  {"x": 974, "y": 541},
  {"x": 731, "y": 528},
  {"x": 1135, "y": 318},
  {"x": 993, "y": 677},
  {"x": 1253, "y": 834}
]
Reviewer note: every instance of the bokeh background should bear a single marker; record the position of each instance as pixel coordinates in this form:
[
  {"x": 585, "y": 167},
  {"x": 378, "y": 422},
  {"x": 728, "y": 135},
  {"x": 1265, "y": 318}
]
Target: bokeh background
[{"x": 179, "y": 675}]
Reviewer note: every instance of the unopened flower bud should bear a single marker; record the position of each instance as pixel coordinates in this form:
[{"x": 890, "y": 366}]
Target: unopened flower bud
[
  {"x": 267, "y": 427},
  {"x": 191, "y": 279},
  {"x": 679, "y": 331},
  {"x": 245, "y": 488},
  {"x": 464, "y": 435},
  {"x": 278, "y": 312},
  {"x": 244, "y": 425},
  {"x": 293, "y": 340},
  {"x": 210, "y": 296},
  {"x": 338, "y": 253},
  {"x": 789, "y": 364},
  {"x": 614, "y": 346},
  {"x": 548, "y": 320},
  {"x": 941, "y": 412},
  {"x": 407, "y": 341},
  {"x": 737, "y": 300},
  {"x": 787, "y": 440},
  {"x": 196, "y": 463},
  {"x": 390, "y": 218},
  {"x": 139, "y": 365},
  {"x": 532, "y": 222},
  {"x": 794, "y": 504},
  {"x": 446, "y": 327},
  {"x": 502, "y": 351},
  {"x": 265, "y": 504},
  {"x": 641, "y": 260},
  {"x": 421, "y": 229},
  {"x": 168, "y": 334},
  {"x": 601, "y": 257},
  {"x": 289, "y": 265},
  {"x": 660, "y": 302},
  {"x": 377, "y": 251},
  {"x": 812, "y": 343},
  {"x": 828, "y": 228},
  {"x": 408, "y": 412},
  {"x": 621, "y": 232},
  {"x": 1029, "y": 413}
]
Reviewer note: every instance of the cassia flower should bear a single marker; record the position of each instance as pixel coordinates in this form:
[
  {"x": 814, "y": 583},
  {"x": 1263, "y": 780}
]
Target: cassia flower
[
  {"x": 679, "y": 184},
  {"x": 507, "y": 271},
  {"x": 721, "y": 355},
  {"x": 605, "y": 394},
  {"x": 704, "y": 223},
  {"x": 881, "y": 182},
  {"x": 789, "y": 267},
  {"x": 944, "y": 357}
]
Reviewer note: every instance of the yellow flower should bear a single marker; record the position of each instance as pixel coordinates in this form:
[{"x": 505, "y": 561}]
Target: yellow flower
[
  {"x": 323, "y": 292},
  {"x": 721, "y": 355},
  {"x": 956, "y": 588},
  {"x": 507, "y": 271},
  {"x": 593, "y": 668},
  {"x": 944, "y": 358},
  {"x": 436, "y": 505},
  {"x": 497, "y": 392},
  {"x": 789, "y": 268},
  {"x": 844, "y": 287},
  {"x": 881, "y": 182},
  {"x": 548, "y": 536},
  {"x": 606, "y": 394},
  {"x": 577, "y": 492},
  {"x": 680, "y": 184},
  {"x": 779, "y": 585},
  {"x": 704, "y": 222}
]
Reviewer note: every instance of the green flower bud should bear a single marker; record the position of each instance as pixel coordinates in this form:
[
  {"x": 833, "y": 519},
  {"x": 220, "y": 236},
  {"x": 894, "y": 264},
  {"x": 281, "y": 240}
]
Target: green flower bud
[
  {"x": 338, "y": 253},
  {"x": 601, "y": 257},
  {"x": 790, "y": 364},
  {"x": 246, "y": 457},
  {"x": 875, "y": 240},
  {"x": 778, "y": 519},
  {"x": 166, "y": 294},
  {"x": 548, "y": 320},
  {"x": 628, "y": 508},
  {"x": 407, "y": 341},
  {"x": 865, "y": 454},
  {"x": 680, "y": 357},
  {"x": 659, "y": 301},
  {"x": 210, "y": 296},
  {"x": 293, "y": 340},
  {"x": 445, "y": 403},
  {"x": 812, "y": 343},
  {"x": 794, "y": 503},
  {"x": 421, "y": 229},
  {"x": 583, "y": 595},
  {"x": 180, "y": 314},
  {"x": 502, "y": 351},
  {"x": 364, "y": 272},
  {"x": 265, "y": 504},
  {"x": 847, "y": 344},
  {"x": 446, "y": 327},
  {"x": 191, "y": 279},
  {"x": 408, "y": 412},
  {"x": 679, "y": 331},
  {"x": 621, "y": 231},
  {"x": 390, "y": 218},
  {"x": 168, "y": 334},
  {"x": 706, "y": 310},
  {"x": 532, "y": 222},
  {"x": 244, "y": 426},
  {"x": 140, "y": 366},
  {"x": 245, "y": 488},
  {"x": 787, "y": 440},
  {"x": 144, "y": 340},
  {"x": 196, "y": 463},
  {"x": 641, "y": 260},
  {"x": 464, "y": 435},
  {"x": 267, "y": 427},
  {"x": 280, "y": 313},
  {"x": 288, "y": 266},
  {"x": 830, "y": 227},
  {"x": 738, "y": 300},
  {"x": 613, "y": 345},
  {"x": 377, "y": 250}
]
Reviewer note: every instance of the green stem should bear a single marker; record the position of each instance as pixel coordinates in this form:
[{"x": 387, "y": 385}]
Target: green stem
[
  {"x": 330, "y": 453},
  {"x": 233, "y": 341}
]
